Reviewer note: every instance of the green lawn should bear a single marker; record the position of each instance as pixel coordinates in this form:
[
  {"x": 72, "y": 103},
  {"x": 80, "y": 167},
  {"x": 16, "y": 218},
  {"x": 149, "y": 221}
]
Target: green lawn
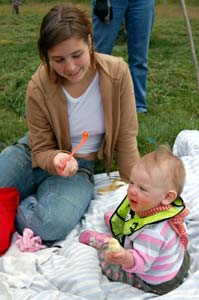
[{"x": 173, "y": 100}]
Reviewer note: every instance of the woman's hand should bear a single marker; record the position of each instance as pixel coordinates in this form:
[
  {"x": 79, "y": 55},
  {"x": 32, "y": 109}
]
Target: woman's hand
[
  {"x": 124, "y": 258},
  {"x": 71, "y": 165}
]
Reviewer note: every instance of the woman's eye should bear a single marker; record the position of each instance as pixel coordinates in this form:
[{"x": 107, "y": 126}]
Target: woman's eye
[
  {"x": 60, "y": 60},
  {"x": 77, "y": 55}
]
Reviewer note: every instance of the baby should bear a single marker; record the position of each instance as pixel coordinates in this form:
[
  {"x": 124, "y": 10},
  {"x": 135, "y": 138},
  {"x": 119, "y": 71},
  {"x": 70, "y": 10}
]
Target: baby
[{"x": 149, "y": 226}]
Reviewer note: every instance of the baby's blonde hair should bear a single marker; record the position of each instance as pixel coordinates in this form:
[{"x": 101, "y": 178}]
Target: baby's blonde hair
[{"x": 170, "y": 167}]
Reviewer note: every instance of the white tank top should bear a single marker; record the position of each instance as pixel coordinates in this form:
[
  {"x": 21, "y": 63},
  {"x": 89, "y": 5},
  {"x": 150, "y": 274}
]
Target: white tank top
[{"x": 86, "y": 113}]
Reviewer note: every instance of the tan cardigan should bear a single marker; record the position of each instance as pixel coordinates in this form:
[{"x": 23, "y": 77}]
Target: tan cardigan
[{"x": 46, "y": 112}]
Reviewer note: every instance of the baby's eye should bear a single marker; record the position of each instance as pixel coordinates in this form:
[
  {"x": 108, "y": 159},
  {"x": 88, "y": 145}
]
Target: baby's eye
[{"x": 143, "y": 189}]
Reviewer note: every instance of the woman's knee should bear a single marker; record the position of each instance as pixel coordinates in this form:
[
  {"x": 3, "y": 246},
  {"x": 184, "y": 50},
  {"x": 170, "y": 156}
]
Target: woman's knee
[
  {"x": 16, "y": 169},
  {"x": 56, "y": 207},
  {"x": 52, "y": 213}
]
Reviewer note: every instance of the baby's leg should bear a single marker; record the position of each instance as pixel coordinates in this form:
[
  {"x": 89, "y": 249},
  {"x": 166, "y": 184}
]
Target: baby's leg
[{"x": 94, "y": 239}]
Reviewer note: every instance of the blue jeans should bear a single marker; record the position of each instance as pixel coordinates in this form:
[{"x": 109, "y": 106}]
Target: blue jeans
[
  {"x": 50, "y": 205},
  {"x": 138, "y": 16}
]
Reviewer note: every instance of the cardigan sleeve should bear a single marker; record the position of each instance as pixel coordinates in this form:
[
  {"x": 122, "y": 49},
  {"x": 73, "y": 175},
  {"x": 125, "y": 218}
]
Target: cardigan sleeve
[{"x": 41, "y": 135}]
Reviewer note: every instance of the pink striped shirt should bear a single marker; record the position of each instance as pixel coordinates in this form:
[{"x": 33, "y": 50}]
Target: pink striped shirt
[{"x": 157, "y": 251}]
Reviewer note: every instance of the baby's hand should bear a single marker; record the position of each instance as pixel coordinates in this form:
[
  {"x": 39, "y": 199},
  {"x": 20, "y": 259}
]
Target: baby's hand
[
  {"x": 70, "y": 168},
  {"x": 121, "y": 257}
]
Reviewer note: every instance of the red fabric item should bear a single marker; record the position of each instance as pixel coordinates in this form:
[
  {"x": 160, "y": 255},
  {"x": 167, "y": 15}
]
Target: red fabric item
[{"x": 9, "y": 200}]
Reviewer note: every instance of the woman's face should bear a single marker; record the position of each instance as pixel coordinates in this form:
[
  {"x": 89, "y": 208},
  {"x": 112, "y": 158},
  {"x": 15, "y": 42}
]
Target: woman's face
[{"x": 70, "y": 59}]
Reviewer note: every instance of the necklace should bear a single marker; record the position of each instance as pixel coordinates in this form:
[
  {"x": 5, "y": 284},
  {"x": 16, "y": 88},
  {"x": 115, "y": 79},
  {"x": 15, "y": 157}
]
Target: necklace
[
  {"x": 176, "y": 222},
  {"x": 154, "y": 210}
]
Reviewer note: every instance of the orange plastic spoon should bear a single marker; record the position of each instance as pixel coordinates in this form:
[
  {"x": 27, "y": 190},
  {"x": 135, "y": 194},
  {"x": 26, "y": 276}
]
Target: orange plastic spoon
[{"x": 82, "y": 142}]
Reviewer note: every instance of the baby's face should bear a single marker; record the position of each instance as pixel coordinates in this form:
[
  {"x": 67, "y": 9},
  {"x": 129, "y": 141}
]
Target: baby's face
[{"x": 145, "y": 190}]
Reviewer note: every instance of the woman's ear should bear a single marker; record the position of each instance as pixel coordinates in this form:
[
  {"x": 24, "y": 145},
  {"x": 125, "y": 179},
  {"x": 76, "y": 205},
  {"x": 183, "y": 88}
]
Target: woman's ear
[{"x": 170, "y": 197}]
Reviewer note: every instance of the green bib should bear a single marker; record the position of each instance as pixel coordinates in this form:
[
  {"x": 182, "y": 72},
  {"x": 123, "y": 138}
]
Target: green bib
[{"x": 124, "y": 221}]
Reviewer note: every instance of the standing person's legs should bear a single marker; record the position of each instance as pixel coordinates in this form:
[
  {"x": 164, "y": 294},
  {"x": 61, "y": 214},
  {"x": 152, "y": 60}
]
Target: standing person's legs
[
  {"x": 15, "y": 6},
  {"x": 139, "y": 21},
  {"x": 106, "y": 34},
  {"x": 58, "y": 205}
]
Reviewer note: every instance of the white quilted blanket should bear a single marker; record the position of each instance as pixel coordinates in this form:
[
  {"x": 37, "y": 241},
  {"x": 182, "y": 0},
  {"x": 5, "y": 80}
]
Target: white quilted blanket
[{"x": 72, "y": 272}]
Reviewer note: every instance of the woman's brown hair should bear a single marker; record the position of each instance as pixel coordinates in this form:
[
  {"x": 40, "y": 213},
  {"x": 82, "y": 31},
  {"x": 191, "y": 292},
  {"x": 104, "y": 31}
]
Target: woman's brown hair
[{"x": 63, "y": 22}]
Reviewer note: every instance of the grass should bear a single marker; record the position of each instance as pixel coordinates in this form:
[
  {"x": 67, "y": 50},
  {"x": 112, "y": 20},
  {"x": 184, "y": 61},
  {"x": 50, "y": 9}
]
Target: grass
[
  {"x": 172, "y": 95},
  {"x": 172, "y": 90}
]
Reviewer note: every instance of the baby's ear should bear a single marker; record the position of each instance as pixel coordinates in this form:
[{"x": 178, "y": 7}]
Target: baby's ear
[{"x": 170, "y": 197}]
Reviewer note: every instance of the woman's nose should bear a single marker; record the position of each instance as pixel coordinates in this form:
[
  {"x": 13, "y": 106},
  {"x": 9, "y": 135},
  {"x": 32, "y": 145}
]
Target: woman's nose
[{"x": 69, "y": 66}]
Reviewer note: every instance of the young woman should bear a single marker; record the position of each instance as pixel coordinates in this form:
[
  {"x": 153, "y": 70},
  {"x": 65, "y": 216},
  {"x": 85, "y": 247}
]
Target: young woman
[{"x": 74, "y": 90}]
